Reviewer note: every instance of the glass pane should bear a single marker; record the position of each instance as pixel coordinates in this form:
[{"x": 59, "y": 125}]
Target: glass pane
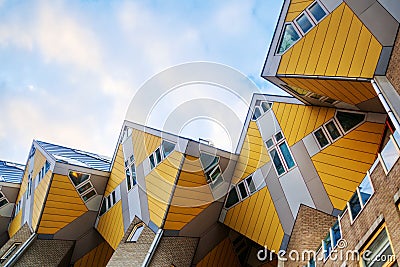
[
  {"x": 133, "y": 171},
  {"x": 131, "y": 158},
  {"x": 257, "y": 113},
  {"x": 128, "y": 180},
  {"x": 286, "y": 155},
  {"x": 327, "y": 245},
  {"x": 1, "y": 195},
  {"x": 232, "y": 199},
  {"x": 89, "y": 195},
  {"x": 365, "y": 189},
  {"x": 317, "y": 11},
  {"x": 242, "y": 190},
  {"x": 379, "y": 251},
  {"x": 77, "y": 177},
  {"x": 251, "y": 185},
  {"x": 113, "y": 197},
  {"x": 312, "y": 262},
  {"x": 265, "y": 106},
  {"x": 277, "y": 161},
  {"x": 332, "y": 130},
  {"x": 3, "y": 202},
  {"x": 304, "y": 23},
  {"x": 330, "y": 100},
  {"x": 289, "y": 37},
  {"x": 315, "y": 96},
  {"x": 215, "y": 173},
  {"x": 216, "y": 182},
  {"x": 103, "y": 208},
  {"x": 152, "y": 163},
  {"x": 167, "y": 148},
  {"x": 270, "y": 143},
  {"x": 208, "y": 161},
  {"x": 355, "y": 206},
  {"x": 390, "y": 154},
  {"x": 278, "y": 136},
  {"x": 46, "y": 166},
  {"x": 349, "y": 120},
  {"x": 158, "y": 155},
  {"x": 84, "y": 188},
  {"x": 336, "y": 234},
  {"x": 396, "y": 136},
  {"x": 321, "y": 138}
]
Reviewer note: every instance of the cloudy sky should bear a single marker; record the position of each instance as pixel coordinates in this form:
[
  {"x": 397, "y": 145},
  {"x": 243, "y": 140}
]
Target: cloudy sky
[{"x": 69, "y": 69}]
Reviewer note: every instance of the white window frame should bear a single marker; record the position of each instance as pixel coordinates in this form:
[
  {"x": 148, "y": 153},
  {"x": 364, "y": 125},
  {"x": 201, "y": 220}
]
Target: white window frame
[
  {"x": 313, "y": 24},
  {"x": 326, "y": 135},
  {"x": 352, "y": 220},
  {"x": 129, "y": 169},
  {"x": 9, "y": 251},
  {"x": 280, "y": 154},
  {"x": 283, "y": 33},
  {"x": 312, "y": 16},
  {"x": 162, "y": 155},
  {"x": 337, "y": 126},
  {"x": 348, "y": 111},
  {"x": 262, "y": 112},
  {"x": 245, "y": 188},
  {"x": 82, "y": 184}
]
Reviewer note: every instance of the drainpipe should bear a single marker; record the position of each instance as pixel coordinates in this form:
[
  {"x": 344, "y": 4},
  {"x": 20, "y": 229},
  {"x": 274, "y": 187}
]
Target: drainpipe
[
  {"x": 386, "y": 106},
  {"x": 152, "y": 248}
]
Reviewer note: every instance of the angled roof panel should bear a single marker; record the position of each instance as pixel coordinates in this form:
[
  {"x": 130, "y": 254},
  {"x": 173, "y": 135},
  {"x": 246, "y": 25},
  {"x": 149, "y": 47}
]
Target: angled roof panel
[
  {"x": 77, "y": 157},
  {"x": 11, "y": 172}
]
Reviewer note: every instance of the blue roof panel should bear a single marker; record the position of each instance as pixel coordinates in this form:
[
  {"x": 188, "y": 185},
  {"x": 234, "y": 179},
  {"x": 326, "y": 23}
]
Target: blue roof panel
[
  {"x": 11, "y": 172},
  {"x": 77, "y": 157}
]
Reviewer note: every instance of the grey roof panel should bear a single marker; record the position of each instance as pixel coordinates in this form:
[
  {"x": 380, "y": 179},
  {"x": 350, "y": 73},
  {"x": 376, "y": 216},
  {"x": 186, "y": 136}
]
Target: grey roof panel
[{"x": 11, "y": 172}]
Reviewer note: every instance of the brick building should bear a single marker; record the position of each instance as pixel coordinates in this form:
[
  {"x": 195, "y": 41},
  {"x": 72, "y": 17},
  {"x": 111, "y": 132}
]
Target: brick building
[{"x": 316, "y": 171}]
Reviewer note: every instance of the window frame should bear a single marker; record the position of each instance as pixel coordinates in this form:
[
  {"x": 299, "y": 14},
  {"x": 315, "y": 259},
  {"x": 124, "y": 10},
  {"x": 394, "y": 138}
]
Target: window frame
[
  {"x": 132, "y": 233},
  {"x": 349, "y": 111},
  {"x": 326, "y": 136},
  {"x": 312, "y": 16},
  {"x": 261, "y": 109},
  {"x": 3, "y": 198},
  {"x": 6, "y": 255},
  {"x": 337, "y": 126},
  {"x": 162, "y": 154},
  {"x": 352, "y": 220},
  {"x": 331, "y": 236},
  {"x": 87, "y": 181},
  {"x": 276, "y": 146},
  {"x": 283, "y": 33},
  {"x": 308, "y": 16},
  {"x": 233, "y": 187},
  {"x": 371, "y": 240}
]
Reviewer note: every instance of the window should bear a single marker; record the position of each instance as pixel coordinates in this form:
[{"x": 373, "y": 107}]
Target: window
[
  {"x": 135, "y": 233},
  {"x": 349, "y": 120},
  {"x": 327, "y": 245},
  {"x": 232, "y": 198},
  {"x": 212, "y": 171},
  {"x": 378, "y": 252},
  {"x": 304, "y": 23},
  {"x": 336, "y": 234},
  {"x": 109, "y": 201},
  {"x": 29, "y": 189},
  {"x": 260, "y": 108},
  {"x": 332, "y": 239},
  {"x": 321, "y": 138},
  {"x": 242, "y": 190},
  {"x": 3, "y": 200},
  {"x": 332, "y": 130},
  {"x": 82, "y": 184},
  {"x": 17, "y": 208},
  {"x": 360, "y": 197},
  {"x": 280, "y": 153},
  {"x": 131, "y": 176},
  {"x": 317, "y": 12},
  {"x": 9, "y": 252},
  {"x": 390, "y": 154},
  {"x": 161, "y": 153},
  {"x": 251, "y": 185},
  {"x": 77, "y": 178},
  {"x": 289, "y": 37}
]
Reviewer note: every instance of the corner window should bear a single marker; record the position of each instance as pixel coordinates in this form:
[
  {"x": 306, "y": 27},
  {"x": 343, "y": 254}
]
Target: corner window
[
  {"x": 317, "y": 11},
  {"x": 289, "y": 37},
  {"x": 280, "y": 154},
  {"x": 82, "y": 184},
  {"x": 327, "y": 245},
  {"x": 135, "y": 233},
  {"x": 260, "y": 108},
  {"x": 232, "y": 198},
  {"x": 9, "y": 252},
  {"x": 349, "y": 120},
  {"x": 378, "y": 252},
  {"x": 390, "y": 154},
  {"x": 212, "y": 170},
  {"x": 355, "y": 205}
]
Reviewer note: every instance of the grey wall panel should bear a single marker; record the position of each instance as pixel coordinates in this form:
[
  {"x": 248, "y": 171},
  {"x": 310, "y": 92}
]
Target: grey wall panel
[
  {"x": 331, "y": 4},
  {"x": 10, "y": 193},
  {"x": 383, "y": 61},
  {"x": 125, "y": 205},
  {"x": 85, "y": 244},
  {"x": 393, "y": 7},
  {"x": 78, "y": 227},
  {"x": 311, "y": 146},
  {"x": 268, "y": 125},
  {"x": 134, "y": 204},
  {"x": 272, "y": 181},
  {"x": 99, "y": 183},
  {"x": 285, "y": 215},
  {"x": 144, "y": 206},
  {"x": 295, "y": 190}
]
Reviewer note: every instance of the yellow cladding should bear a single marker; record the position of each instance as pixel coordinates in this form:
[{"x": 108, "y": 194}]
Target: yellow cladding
[
  {"x": 344, "y": 164},
  {"x": 117, "y": 174},
  {"x": 63, "y": 205},
  {"x": 222, "y": 255},
  {"x": 340, "y": 45},
  {"x": 99, "y": 256},
  {"x": 159, "y": 184},
  {"x": 296, "y": 7},
  {"x": 352, "y": 92},
  {"x": 297, "y": 121},
  {"x": 39, "y": 198},
  {"x": 144, "y": 144},
  {"x": 15, "y": 224},
  {"x": 38, "y": 161},
  {"x": 257, "y": 219},
  {"x": 111, "y": 225},
  {"x": 192, "y": 195},
  {"x": 252, "y": 156}
]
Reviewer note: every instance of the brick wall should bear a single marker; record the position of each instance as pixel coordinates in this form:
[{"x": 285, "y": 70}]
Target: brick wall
[
  {"x": 393, "y": 73},
  {"x": 21, "y": 236},
  {"x": 381, "y": 203},
  {"x": 310, "y": 227}
]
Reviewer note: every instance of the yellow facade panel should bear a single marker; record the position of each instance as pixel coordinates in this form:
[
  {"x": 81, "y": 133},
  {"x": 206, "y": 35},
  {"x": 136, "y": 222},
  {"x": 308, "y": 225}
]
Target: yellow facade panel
[
  {"x": 294, "y": 58},
  {"x": 15, "y": 224},
  {"x": 329, "y": 40},
  {"x": 117, "y": 174},
  {"x": 39, "y": 198},
  {"x": 371, "y": 60},
  {"x": 283, "y": 64},
  {"x": 60, "y": 203},
  {"x": 111, "y": 225},
  {"x": 360, "y": 53},
  {"x": 144, "y": 144},
  {"x": 222, "y": 255},
  {"x": 305, "y": 52}
]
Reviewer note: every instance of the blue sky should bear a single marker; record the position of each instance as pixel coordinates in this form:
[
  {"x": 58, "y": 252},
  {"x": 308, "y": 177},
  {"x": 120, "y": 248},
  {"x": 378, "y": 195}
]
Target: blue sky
[{"x": 70, "y": 68}]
